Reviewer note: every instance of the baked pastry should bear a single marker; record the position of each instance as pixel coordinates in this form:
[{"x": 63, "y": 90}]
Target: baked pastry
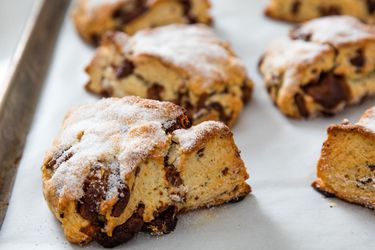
[
  {"x": 323, "y": 66},
  {"x": 121, "y": 166},
  {"x": 95, "y": 17},
  {"x": 304, "y": 10},
  {"x": 184, "y": 64},
  {"x": 346, "y": 168}
]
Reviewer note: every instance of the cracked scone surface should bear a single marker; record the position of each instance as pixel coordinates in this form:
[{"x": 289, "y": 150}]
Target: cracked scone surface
[
  {"x": 185, "y": 64},
  {"x": 323, "y": 66},
  {"x": 95, "y": 17},
  {"x": 120, "y": 166},
  {"x": 346, "y": 168},
  {"x": 304, "y": 10}
]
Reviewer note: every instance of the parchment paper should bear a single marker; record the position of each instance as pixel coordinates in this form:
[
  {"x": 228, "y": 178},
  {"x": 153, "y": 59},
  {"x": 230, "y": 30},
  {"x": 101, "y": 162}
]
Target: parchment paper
[{"x": 283, "y": 212}]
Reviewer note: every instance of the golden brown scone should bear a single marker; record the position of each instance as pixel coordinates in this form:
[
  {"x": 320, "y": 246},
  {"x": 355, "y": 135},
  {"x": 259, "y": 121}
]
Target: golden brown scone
[
  {"x": 95, "y": 17},
  {"x": 304, "y": 10},
  {"x": 323, "y": 66},
  {"x": 184, "y": 64},
  {"x": 346, "y": 168},
  {"x": 120, "y": 166}
]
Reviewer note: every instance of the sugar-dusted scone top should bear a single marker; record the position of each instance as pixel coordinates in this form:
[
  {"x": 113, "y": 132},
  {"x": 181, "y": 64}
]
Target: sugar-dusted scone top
[
  {"x": 346, "y": 168},
  {"x": 323, "y": 66},
  {"x": 120, "y": 166},
  {"x": 95, "y": 17},
  {"x": 185, "y": 64},
  {"x": 304, "y": 10}
]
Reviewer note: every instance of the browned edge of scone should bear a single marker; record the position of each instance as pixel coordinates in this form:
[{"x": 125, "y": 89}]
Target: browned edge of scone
[{"x": 318, "y": 184}]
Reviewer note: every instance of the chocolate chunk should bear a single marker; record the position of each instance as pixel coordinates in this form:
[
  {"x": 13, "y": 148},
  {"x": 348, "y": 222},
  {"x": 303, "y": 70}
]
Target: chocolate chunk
[
  {"x": 371, "y": 167},
  {"x": 329, "y": 90},
  {"x": 225, "y": 171},
  {"x": 119, "y": 207},
  {"x": 122, "y": 233},
  {"x": 164, "y": 223},
  {"x": 330, "y": 10},
  {"x": 172, "y": 175},
  {"x": 359, "y": 59},
  {"x": 94, "y": 192},
  {"x": 371, "y": 6},
  {"x": 61, "y": 156},
  {"x": 125, "y": 69},
  {"x": 202, "y": 101},
  {"x": 297, "y": 35},
  {"x": 95, "y": 39},
  {"x": 200, "y": 152},
  {"x": 154, "y": 91},
  {"x": 220, "y": 109},
  {"x": 301, "y": 105},
  {"x": 246, "y": 92},
  {"x": 182, "y": 121},
  {"x": 186, "y": 4},
  {"x": 296, "y": 7},
  {"x": 129, "y": 12}
]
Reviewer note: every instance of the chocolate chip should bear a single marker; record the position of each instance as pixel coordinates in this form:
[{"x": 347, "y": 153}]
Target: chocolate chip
[
  {"x": 154, "y": 91},
  {"x": 225, "y": 171},
  {"x": 371, "y": 6},
  {"x": 329, "y": 90},
  {"x": 94, "y": 189},
  {"x": 95, "y": 39},
  {"x": 330, "y": 10},
  {"x": 297, "y": 34},
  {"x": 182, "y": 121},
  {"x": 119, "y": 207},
  {"x": 129, "y": 12},
  {"x": 125, "y": 69},
  {"x": 237, "y": 199},
  {"x": 301, "y": 105},
  {"x": 220, "y": 109},
  {"x": 186, "y": 4},
  {"x": 358, "y": 60},
  {"x": 164, "y": 223},
  {"x": 371, "y": 167},
  {"x": 171, "y": 173},
  {"x": 122, "y": 233},
  {"x": 246, "y": 92},
  {"x": 200, "y": 152},
  {"x": 60, "y": 156},
  {"x": 296, "y": 7}
]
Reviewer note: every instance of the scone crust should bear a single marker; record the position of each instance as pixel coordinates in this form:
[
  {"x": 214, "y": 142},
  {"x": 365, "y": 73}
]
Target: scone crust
[
  {"x": 303, "y": 10},
  {"x": 201, "y": 72},
  {"x": 323, "y": 66},
  {"x": 93, "y": 18}
]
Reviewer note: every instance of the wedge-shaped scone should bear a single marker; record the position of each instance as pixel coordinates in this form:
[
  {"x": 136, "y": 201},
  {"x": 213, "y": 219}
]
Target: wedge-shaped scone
[
  {"x": 121, "y": 166},
  {"x": 95, "y": 17},
  {"x": 323, "y": 66},
  {"x": 346, "y": 168},
  {"x": 304, "y": 10},
  {"x": 184, "y": 64}
]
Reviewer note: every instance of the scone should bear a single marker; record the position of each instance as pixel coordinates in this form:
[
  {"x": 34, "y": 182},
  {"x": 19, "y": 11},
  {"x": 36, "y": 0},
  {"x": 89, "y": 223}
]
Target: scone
[
  {"x": 95, "y": 17},
  {"x": 323, "y": 66},
  {"x": 120, "y": 166},
  {"x": 304, "y": 10},
  {"x": 185, "y": 64},
  {"x": 346, "y": 168}
]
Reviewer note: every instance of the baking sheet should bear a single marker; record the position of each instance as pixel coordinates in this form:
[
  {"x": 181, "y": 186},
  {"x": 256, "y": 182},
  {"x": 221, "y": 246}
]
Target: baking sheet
[{"x": 283, "y": 212}]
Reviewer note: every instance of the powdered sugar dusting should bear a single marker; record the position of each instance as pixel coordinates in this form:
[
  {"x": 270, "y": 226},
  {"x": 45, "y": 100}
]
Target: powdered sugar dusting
[
  {"x": 337, "y": 30},
  {"x": 192, "y": 47},
  {"x": 117, "y": 133},
  {"x": 189, "y": 138},
  {"x": 368, "y": 119}
]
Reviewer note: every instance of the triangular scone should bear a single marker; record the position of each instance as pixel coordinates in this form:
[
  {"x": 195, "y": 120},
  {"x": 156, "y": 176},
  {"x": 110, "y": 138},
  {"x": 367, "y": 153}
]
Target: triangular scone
[
  {"x": 346, "y": 168},
  {"x": 121, "y": 166}
]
